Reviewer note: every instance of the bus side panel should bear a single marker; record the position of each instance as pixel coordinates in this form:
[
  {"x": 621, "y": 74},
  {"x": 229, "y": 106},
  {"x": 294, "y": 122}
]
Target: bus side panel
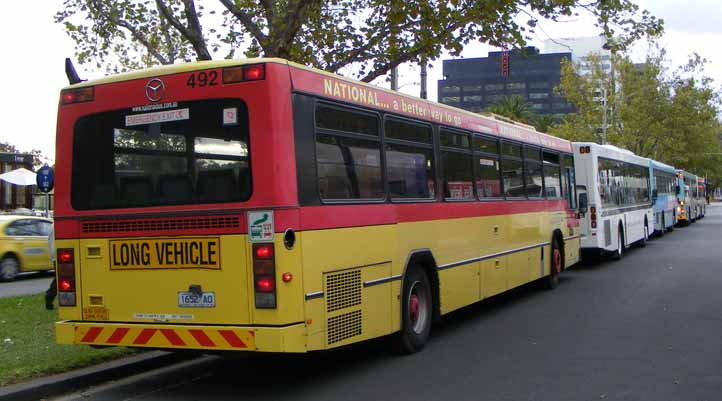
[{"x": 347, "y": 279}]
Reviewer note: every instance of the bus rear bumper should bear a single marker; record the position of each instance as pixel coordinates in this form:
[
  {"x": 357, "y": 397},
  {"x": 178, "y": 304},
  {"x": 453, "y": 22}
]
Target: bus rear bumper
[{"x": 163, "y": 336}]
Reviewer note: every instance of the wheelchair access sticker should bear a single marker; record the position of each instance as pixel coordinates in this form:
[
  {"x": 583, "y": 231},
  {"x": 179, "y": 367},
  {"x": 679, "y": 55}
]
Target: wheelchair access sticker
[{"x": 260, "y": 226}]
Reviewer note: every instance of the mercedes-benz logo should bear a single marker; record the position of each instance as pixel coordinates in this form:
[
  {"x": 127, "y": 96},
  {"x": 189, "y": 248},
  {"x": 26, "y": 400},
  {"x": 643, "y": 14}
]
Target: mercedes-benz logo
[{"x": 154, "y": 90}]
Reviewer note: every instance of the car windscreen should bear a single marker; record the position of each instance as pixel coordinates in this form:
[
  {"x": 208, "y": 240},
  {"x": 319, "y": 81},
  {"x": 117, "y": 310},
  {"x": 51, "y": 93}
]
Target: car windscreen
[{"x": 170, "y": 154}]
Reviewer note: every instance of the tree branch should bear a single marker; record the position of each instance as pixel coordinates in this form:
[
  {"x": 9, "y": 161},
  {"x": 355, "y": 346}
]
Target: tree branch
[
  {"x": 140, "y": 38},
  {"x": 193, "y": 32},
  {"x": 247, "y": 22}
]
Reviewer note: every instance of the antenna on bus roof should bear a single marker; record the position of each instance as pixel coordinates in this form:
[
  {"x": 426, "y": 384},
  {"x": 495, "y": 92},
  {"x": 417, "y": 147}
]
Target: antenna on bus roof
[{"x": 70, "y": 72}]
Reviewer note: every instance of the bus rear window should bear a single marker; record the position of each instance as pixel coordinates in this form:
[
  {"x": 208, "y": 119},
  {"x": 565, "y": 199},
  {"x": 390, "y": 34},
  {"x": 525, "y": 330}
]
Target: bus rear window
[{"x": 199, "y": 154}]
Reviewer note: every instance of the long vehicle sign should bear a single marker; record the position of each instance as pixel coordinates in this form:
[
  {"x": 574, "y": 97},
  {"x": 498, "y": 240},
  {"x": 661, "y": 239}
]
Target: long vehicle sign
[{"x": 167, "y": 253}]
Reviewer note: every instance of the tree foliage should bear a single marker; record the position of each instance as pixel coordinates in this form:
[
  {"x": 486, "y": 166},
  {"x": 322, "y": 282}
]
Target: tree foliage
[
  {"x": 518, "y": 109},
  {"x": 371, "y": 35},
  {"x": 670, "y": 115}
]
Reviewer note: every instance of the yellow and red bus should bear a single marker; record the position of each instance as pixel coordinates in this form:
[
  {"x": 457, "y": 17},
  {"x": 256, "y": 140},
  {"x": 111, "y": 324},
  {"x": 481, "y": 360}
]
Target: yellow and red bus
[{"x": 260, "y": 205}]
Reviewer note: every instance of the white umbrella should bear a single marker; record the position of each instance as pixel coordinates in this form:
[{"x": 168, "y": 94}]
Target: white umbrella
[{"x": 20, "y": 176}]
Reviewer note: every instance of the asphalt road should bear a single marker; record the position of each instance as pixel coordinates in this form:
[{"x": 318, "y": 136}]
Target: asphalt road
[
  {"x": 646, "y": 328},
  {"x": 26, "y": 284}
]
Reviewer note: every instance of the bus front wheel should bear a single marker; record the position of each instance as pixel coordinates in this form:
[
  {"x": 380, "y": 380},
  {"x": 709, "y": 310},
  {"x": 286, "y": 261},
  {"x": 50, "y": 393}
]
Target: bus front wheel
[{"x": 416, "y": 312}]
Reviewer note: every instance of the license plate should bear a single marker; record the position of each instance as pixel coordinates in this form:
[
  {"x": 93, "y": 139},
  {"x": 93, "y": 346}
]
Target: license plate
[{"x": 191, "y": 300}]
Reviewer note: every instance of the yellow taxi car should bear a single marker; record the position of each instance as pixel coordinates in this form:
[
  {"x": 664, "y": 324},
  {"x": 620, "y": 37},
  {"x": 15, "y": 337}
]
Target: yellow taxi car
[{"x": 23, "y": 245}]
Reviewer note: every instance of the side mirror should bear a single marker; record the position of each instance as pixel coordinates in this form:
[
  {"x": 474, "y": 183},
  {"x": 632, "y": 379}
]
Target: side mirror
[
  {"x": 677, "y": 189},
  {"x": 654, "y": 194},
  {"x": 583, "y": 203}
]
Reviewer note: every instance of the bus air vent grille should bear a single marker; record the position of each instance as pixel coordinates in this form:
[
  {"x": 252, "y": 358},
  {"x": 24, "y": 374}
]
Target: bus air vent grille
[
  {"x": 195, "y": 223},
  {"x": 344, "y": 326},
  {"x": 343, "y": 290}
]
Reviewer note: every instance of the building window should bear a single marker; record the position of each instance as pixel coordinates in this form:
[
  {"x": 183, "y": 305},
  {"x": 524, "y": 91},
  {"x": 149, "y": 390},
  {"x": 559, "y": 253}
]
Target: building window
[
  {"x": 493, "y": 98},
  {"x": 493, "y": 87},
  {"x": 542, "y": 95},
  {"x": 450, "y": 99},
  {"x": 474, "y": 98},
  {"x": 515, "y": 85},
  {"x": 471, "y": 88},
  {"x": 539, "y": 85},
  {"x": 450, "y": 89}
]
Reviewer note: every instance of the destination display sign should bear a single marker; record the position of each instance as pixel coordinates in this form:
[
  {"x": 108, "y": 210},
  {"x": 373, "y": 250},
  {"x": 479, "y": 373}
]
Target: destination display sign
[{"x": 165, "y": 253}]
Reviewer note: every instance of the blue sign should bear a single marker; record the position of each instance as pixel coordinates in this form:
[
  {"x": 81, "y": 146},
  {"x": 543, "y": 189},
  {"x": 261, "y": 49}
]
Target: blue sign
[{"x": 45, "y": 178}]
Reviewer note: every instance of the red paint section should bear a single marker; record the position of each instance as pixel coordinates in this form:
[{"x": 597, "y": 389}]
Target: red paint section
[
  {"x": 338, "y": 216},
  {"x": 271, "y": 141},
  {"x": 342, "y": 216},
  {"x": 173, "y": 337},
  {"x": 118, "y": 335},
  {"x": 144, "y": 336},
  {"x": 232, "y": 339},
  {"x": 202, "y": 338},
  {"x": 91, "y": 335}
]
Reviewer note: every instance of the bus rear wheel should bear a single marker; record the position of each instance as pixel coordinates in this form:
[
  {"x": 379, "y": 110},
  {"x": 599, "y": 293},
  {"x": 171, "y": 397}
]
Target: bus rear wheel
[{"x": 416, "y": 312}]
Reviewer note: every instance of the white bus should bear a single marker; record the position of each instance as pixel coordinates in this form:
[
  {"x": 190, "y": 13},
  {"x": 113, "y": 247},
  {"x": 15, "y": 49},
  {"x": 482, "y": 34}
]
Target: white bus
[{"x": 619, "y": 204}]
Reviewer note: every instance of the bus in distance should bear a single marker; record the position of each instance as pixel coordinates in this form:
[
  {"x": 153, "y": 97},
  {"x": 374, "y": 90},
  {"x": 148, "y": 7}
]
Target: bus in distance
[
  {"x": 260, "y": 205},
  {"x": 620, "y": 205},
  {"x": 663, "y": 182}
]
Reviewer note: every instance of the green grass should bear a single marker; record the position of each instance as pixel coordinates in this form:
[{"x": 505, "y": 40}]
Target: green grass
[{"x": 27, "y": 342}]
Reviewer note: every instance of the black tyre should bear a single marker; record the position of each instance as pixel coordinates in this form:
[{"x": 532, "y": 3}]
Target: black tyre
[
  {"x": 416, "y": 312},
  {"x": 9, "y": 268},
  {"x": 643, "y": 241},
  {"x": 556, "y": 266},
  {"x": 620, "y": 246}
]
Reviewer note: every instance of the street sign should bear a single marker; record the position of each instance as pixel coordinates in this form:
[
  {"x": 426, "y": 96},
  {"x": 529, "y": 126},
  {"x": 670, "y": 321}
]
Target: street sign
[{"x": 45, "y": 179}]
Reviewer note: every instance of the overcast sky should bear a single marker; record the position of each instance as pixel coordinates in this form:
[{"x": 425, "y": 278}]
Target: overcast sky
[{"x": 35, "y": 48}]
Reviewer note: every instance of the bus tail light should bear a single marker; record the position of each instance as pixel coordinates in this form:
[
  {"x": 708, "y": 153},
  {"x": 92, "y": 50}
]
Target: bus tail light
[
  {"x": 66, "y": 277},
  {"x": 245, "y": 73},
  {"x": 593, "y": 216},
  {"x": 264, "y": 276},
  {"x": 80, "y": 95}
]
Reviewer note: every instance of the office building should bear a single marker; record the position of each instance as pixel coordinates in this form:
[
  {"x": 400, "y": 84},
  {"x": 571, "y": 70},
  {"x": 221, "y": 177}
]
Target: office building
[{"x": 476, "y": 83}]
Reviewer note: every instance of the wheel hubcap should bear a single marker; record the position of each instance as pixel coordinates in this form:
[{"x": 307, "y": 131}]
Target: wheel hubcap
[
  {"x": 414, "y": 308},
  {"x": 418, "y": 308},
  {"x": 557, "y": 261}
]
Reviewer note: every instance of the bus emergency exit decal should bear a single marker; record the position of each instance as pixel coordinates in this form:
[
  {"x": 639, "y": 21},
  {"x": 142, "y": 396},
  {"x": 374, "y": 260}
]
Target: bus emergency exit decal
[{"x": 176, "y": 253}]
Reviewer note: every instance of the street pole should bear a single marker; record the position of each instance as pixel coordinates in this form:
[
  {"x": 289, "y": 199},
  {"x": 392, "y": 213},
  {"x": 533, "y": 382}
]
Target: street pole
[
  {"x": 604, "y": 116},
  {"x": 423, "y": 77}
]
